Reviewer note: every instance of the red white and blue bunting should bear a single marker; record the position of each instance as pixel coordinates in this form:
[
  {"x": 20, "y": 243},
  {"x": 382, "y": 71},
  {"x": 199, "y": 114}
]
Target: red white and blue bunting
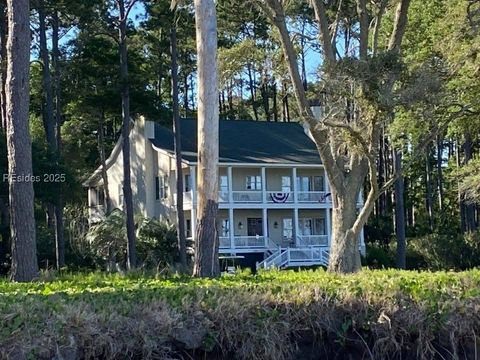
[{"x": 279, "y": 198}]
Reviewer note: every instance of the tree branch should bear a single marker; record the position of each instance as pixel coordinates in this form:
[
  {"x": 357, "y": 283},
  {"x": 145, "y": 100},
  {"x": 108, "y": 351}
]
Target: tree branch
[
  {"x": 400, "y": 25},
  {"x": 322, "y": 20}
]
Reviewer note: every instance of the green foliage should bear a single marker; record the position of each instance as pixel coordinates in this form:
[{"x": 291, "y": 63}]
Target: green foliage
[
  {"x": 448, "y": 250},
  {"x": 258, "y": 316},
  {"x": 156, "y": 242}
]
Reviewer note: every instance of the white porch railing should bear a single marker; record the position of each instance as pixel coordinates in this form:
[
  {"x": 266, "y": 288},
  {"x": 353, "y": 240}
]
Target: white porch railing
[
  {"x": 243, "y": 242},
  {"x": 223, "y": 197},
  {"x": 224, "y": 241},
  {"x": 312, "y": 240},
  {"x": 296, "y": 257},
  {"x": 307, "y": 256},
  {"x": 252, "y": 196},
  {"x": 313, "y": 196}
]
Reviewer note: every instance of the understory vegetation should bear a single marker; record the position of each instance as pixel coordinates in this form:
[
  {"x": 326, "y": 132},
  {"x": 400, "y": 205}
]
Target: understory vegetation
[{"x": 386, "y": 314}]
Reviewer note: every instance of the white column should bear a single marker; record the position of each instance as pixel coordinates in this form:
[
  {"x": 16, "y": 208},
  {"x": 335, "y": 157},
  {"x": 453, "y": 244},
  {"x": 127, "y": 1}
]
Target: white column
[
  {"x": 231, "y": 228},
  {"x": 193, "y": 215},
  {"x": 328, "y": 224},
  {"x": 193, "y": 179},
  {"x": 265, "y": 225},
  {"x": 264, "y": 186},
  {"x": 230, "y": 184},
  {"x": 294, "y": 185},
  {"x": 325, "y": 178},
  {"x": 295, "y": 224}
]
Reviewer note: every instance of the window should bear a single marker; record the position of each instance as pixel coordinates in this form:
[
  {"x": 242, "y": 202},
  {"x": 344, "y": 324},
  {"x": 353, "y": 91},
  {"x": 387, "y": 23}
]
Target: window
[
  {"x": 311, "y": 226},
  {"x": 225, "y": 228},
  {"x": 161, "y": 187},
  {"x": 187, "y": 183},
  {"x": 287, "y": 228},
  {"x": 320, "y": 227},
  {"x": 188, "y": 228},
  {"x": 223, "y": 183},
  {"x": 157, "y": 188},
  {"x": 254, "y": 183},
  {"x": 305, "y": 226},
  {"x": 310, "y": 183},
  {"x": 318, "y": 184},
  {"x": 286, "y": 184},
  {"x": 101, "y": 196},
  {"x": 120, "y": 195}
]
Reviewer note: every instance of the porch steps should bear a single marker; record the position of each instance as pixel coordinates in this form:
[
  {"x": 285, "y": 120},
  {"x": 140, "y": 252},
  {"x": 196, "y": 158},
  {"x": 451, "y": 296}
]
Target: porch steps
[{"x": 295, "y": 256}]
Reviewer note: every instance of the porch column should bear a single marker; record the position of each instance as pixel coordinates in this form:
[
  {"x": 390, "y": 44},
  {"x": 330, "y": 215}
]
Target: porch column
[
  {"x": 265, "y": 225},
  {"x": 295, "y": 225},
  {"x": 193, "y": 215},
  {"x": 231, "y": 228},
  {"x": 264, "y": 186},
  {"x": 294, "y": 185},
  {"x": 193, "y": 179},
  {"x": 328, "y": 225},
  {"x": 325, "y": 179},
  {"x": 230, "y": 184}
]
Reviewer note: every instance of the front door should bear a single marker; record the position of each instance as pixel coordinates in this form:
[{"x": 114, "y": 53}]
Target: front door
[{"x": 254, "y": 227}]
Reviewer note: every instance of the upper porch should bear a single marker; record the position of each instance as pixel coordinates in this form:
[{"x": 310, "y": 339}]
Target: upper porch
[{"x": 261, "y": 186}]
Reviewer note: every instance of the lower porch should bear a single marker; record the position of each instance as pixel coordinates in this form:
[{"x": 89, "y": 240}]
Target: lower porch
[{"x": 258, "y": 230}]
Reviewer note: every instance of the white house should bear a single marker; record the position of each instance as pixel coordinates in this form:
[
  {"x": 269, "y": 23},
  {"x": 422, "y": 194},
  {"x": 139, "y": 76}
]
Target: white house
[{"x": 274, "y": 200}]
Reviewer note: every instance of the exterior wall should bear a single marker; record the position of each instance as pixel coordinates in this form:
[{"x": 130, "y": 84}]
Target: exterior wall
[
  {"x": 239, "y": 176},
  {"x": 274, "y": 178}
]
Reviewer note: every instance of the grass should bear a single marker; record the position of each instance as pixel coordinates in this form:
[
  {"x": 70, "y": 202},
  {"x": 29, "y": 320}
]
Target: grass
[{"x": 377, "y": 314}]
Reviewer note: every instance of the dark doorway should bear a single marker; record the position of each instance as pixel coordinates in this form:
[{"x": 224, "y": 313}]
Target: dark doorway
[{"x": 254, "y": 227}]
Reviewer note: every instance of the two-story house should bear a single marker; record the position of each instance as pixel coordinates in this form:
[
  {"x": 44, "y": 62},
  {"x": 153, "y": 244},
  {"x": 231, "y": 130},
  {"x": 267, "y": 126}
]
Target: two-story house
[{"x": 274, "y": 200}]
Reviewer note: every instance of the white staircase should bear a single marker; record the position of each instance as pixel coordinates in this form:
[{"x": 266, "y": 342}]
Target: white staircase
[{"x": 295, "y": 256}]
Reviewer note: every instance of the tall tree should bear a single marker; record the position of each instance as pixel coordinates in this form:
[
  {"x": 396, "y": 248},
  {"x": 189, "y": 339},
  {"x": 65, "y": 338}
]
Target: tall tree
[
  {"x": 24, "y": 254},
  {"x": 124, "y": 9},
  {"x": 182, "y": 243},
  {"x": 206, "y": 242},
  {"x": 359, "y": 80}
]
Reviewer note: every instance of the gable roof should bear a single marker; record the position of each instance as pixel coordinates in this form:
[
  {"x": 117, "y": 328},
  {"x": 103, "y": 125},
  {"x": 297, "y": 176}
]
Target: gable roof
[{"x": 246, "y": 141}]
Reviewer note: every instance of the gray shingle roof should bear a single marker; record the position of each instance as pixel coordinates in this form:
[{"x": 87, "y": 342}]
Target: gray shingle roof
[{"x": 244, "y": 141}]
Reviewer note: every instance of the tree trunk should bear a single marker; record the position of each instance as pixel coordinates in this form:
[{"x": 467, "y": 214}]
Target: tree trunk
[
  {"x": 344, "y": 250},
  {"x": 3, "y": 63},
  {"x": 274, "y": 97},
  {"x": 470, "y": 221},
  {"x": 400, "y": 213},
  {"x": 48, "y": 116},
  {"x": 428, "y": 187},
  {"x": 103, "y": 161},
  {"x": 206, "y": 242},
  {"x": 59, "y": 228},
  {"x": 19, "y": 147},
  {"x": 127, "y": 182},
  {"x": 251, "y": 85},
  {"x": 440, "y": 172},
  {"x": 182, "y": 241}
]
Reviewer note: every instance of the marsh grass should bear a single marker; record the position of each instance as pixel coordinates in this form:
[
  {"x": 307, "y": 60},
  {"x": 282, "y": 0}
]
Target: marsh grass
[{"x": 374, "y": 314}]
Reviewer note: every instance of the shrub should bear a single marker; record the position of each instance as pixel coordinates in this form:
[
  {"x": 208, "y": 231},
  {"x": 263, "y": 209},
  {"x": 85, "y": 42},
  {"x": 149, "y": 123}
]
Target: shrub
[
  {"x": 384, "y": 314},
  {"x": 448, "y": 251},
  {"x": 156, "y": 242}
]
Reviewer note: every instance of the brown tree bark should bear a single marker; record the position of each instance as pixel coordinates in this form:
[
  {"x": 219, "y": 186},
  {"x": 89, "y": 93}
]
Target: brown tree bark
[
  {"x": 127, "y": 182},
  {"x": 3, "y": 62},
  {"x": 48, "y": 115},
  {"x": 59, "y": 204},
  {"x": 182, "y": 241},
  {"x": 19, "y": 146},
  {"x": 346, "y": 173},
  {"x": 103, "y": 161},
  {"x": 400, "y": 213},
  {"x": 206, "y": 262}
]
